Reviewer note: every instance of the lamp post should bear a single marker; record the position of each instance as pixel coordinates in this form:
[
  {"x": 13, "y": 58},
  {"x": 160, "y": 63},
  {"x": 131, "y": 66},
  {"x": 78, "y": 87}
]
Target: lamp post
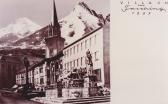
[{"x": 26, "y": 64}]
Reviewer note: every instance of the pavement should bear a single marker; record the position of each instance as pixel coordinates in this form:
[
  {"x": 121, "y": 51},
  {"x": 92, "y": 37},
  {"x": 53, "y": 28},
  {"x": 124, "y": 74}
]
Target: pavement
[
  {"x": 54, "y": 100},
  {"x": 103, "y": 103},
  {"x": 15, "y": 100},
  {"x": 18, "y": 100}
]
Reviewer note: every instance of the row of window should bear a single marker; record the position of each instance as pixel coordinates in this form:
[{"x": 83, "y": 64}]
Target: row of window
[
  {"x": 20, "y": 75},
  {"x": 30, "y": 73},
  {"x": 80, "y": 61},
  {"x": 36, "y": 81},
  {"x": 75, "y": 63},
  {"x": 80, "y": 46},
  {"x": 21, "y": 81},
  {"x": 39, "y": 80}
]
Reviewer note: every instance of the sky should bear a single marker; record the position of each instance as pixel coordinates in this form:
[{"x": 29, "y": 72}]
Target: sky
[{"x": 40, "y": 11}]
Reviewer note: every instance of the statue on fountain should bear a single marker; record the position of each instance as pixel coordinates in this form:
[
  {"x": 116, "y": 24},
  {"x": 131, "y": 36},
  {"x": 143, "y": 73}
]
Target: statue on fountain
[
  {"x": 89, "y": 63},
  {"x": 90, "y": 78}
]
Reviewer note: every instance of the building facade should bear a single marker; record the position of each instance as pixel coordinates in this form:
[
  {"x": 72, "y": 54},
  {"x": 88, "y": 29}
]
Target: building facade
[
  {"x": 75, "y": 61},
  {"x": 75, "y": 54},
  {"x": 36, "y": 76}
]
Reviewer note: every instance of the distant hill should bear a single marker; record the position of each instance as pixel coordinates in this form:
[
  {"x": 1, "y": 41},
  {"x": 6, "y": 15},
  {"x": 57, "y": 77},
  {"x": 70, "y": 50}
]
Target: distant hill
[
  {"x": 21, "y": 28},
  {"x": 79, "y": 22},
  {"x": 24, "y": 52}
]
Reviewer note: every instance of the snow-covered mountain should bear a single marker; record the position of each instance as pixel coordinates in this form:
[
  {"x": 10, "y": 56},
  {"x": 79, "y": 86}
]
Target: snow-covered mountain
[
  {"x": 80, "y": 21},
  {"x": 21, "y": 28}
]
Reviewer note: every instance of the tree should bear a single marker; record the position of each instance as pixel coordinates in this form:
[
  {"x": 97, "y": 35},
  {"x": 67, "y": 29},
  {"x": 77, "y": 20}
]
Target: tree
[{"x": 26, "y": 64}]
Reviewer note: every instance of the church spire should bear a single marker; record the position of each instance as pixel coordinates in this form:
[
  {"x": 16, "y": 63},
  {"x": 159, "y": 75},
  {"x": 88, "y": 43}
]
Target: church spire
[{"x": 55, "y": 18}]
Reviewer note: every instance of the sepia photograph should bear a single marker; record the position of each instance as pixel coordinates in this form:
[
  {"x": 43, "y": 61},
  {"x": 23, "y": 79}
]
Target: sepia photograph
[{"x": 55, "y": 52}]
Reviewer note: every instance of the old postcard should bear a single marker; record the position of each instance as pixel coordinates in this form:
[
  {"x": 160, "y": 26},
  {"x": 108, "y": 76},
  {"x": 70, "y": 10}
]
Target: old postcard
[{"x": 55, "y": 52}]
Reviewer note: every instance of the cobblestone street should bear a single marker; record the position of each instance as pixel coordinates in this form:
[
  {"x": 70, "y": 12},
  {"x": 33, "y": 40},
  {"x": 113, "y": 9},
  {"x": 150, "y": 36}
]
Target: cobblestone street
[{"x": 12, "y": 100}]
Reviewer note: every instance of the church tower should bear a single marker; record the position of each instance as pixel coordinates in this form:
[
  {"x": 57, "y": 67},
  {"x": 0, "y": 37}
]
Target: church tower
[
  {"x": 54, "y": 42},
  {"x": 56, "y": 25}
]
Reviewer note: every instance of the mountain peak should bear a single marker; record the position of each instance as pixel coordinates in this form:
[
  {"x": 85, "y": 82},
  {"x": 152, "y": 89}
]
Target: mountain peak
[
  {"x": 22, "y": 27},
  {"x": 88, "y": 9},
  {"x": 23, "y": 19},
  {"x": 79, "y": 22},
  {"x": 84, "y": 5}
]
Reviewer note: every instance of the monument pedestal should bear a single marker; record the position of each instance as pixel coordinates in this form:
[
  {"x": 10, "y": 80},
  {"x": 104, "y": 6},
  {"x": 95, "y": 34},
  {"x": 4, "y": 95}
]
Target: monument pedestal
[
  {"x": 52, "y": 92},
  {"x": 89, "y": 86},
  {"x": 65, "y": 93}
]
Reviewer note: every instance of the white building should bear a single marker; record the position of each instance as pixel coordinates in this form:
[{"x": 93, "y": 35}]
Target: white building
[
  {"x": 97, "y": 42},
  {"x": 36, "y": 76},
  {"x": 75, "y": 54},
  {"x": 40, "y": 78}
]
